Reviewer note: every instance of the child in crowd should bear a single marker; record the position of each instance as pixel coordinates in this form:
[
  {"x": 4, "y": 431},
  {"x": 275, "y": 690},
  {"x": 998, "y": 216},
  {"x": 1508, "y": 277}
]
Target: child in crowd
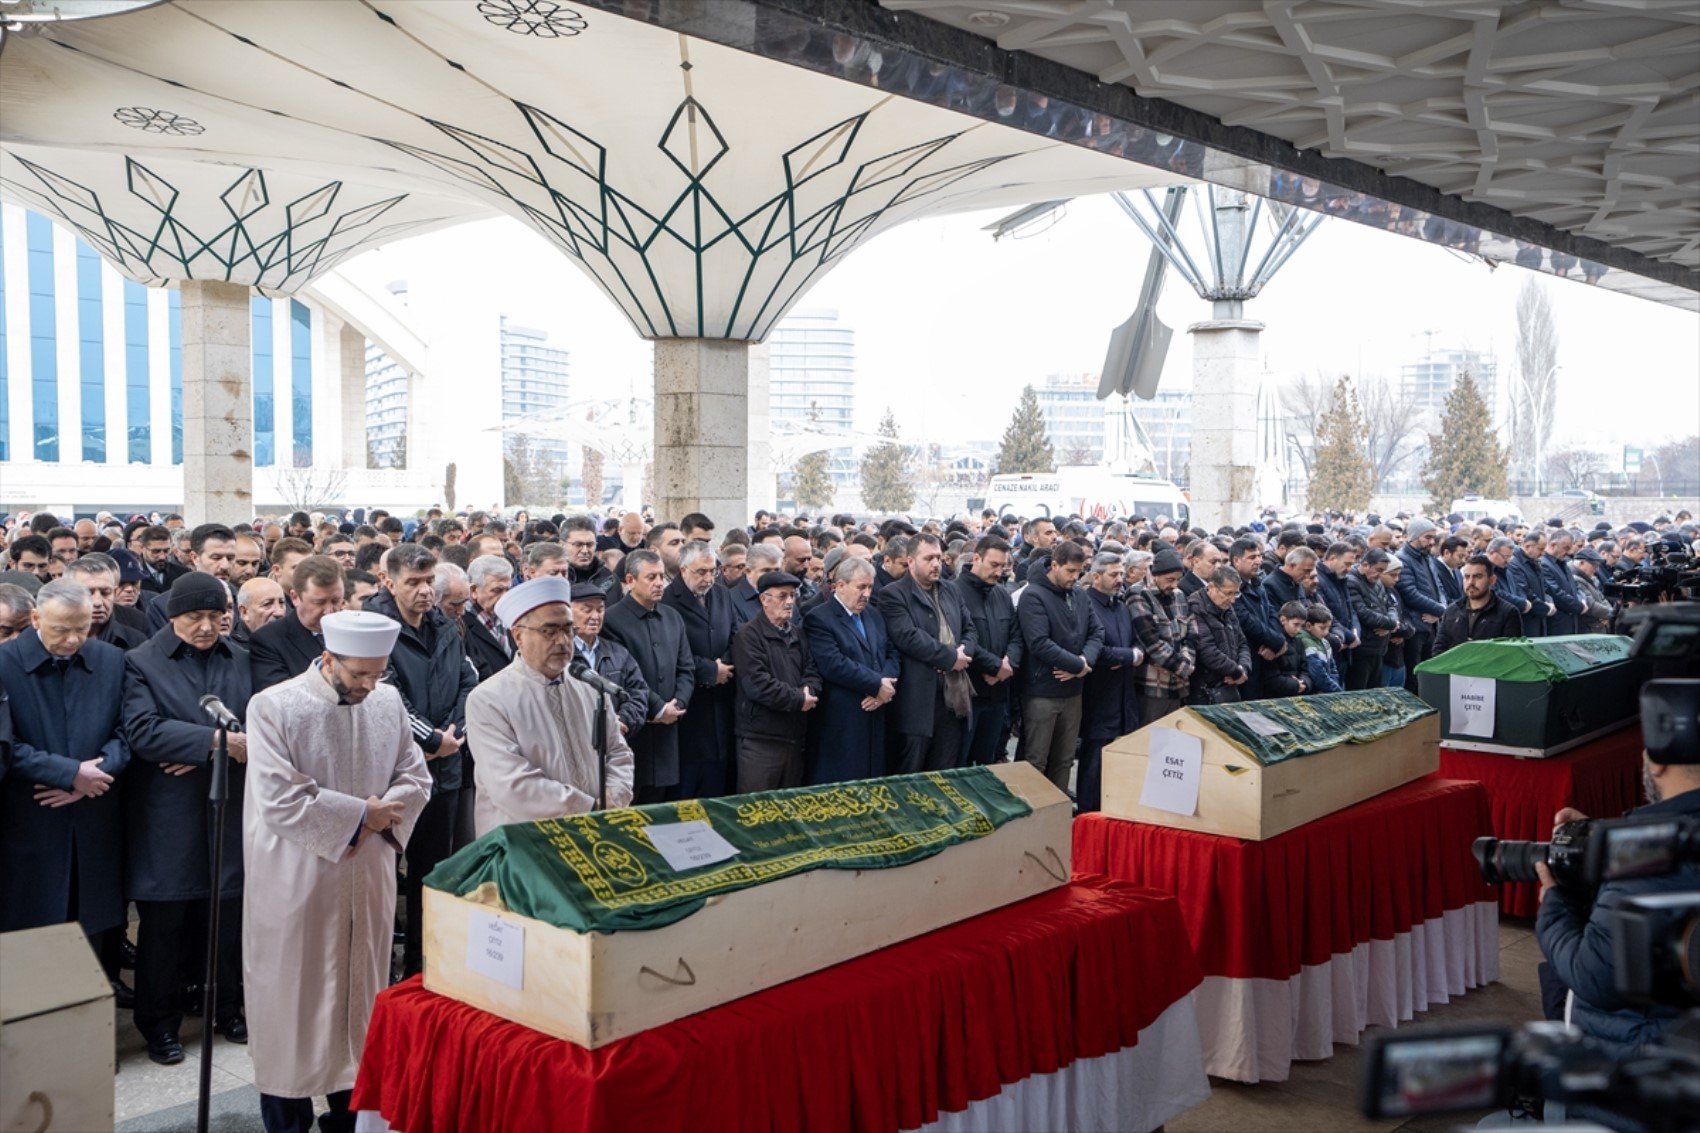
[
  {"x": 1393, "y": 661},
  {"x": 1324, "y": 674},
  {"x": 1287, "y": 675}
]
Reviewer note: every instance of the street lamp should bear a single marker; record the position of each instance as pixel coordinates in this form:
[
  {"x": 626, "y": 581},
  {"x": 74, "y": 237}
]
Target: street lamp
[{"x": 1529, "y": 396}]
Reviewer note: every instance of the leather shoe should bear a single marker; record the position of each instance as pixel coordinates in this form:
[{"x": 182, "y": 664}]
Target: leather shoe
[
  {"x": 165, "y": 1050},
  {"x": 123, "y": 998},
  {"x": 235, "y": 1028},
  {"x": 129, "y": 955}
]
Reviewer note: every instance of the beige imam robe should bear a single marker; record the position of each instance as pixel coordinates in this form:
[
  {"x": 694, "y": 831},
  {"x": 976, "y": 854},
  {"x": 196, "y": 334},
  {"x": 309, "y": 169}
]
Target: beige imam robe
[
  {"x": 318, "y": 917},
  {"x": 526, "y": 769}
]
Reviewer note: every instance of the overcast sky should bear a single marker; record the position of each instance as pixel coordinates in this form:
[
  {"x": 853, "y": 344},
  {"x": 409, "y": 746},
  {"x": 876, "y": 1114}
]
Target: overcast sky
[{"x": 951, "y": 324}]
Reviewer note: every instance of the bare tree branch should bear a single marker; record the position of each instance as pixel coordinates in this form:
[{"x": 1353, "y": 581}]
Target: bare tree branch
[
  {"x": 1395, "y": 428},
  {"x": 310, "y": 489}
]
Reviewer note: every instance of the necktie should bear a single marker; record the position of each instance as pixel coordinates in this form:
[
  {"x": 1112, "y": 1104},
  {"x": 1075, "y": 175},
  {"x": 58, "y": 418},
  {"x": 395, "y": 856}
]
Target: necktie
[{"x": 856, "y": 620}]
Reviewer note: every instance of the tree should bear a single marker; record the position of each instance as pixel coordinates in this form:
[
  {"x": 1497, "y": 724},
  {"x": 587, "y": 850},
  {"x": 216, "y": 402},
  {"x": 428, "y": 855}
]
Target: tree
[
  {"x": 1574, "y": 466},
  {"x": 309, "y": 489},
  {"x": 1394, "y": 429},
  {"x": 1341, "y": 478},
  {"x": 1026, "y": 447},
  {"x": 590, "y": 475},
  {"x": 811, "y": 478},
  {"x": 1465, "y": 457},
  {"x": 888, "y": 481},
  {"x": 1675, "y": 463},
  {"x": 530, "y": 476},
  {"x": 1535, "y": 396},
  {"x": 1303, "y": 401}
]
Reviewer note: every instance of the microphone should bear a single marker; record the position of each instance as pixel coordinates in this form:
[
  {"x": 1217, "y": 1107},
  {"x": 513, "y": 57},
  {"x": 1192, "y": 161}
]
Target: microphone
[
  {"x": 579, "y": 670},
  {"x": 219, "y": 714}
]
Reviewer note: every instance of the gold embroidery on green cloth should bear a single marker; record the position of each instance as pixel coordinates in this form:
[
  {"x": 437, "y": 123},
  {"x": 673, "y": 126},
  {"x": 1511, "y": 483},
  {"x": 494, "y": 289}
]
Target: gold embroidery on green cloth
[
  {"x": 599, "y": 872},
  {"x": 1305, "y": 725}
]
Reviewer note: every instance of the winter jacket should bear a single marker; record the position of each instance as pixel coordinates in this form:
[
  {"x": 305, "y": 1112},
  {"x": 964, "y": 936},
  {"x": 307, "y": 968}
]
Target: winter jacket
[
  {"x": 1460, "y": 623},
  {"x": 1058, "y": 631},
  {"x": 428, "y": 666},
  {"x": 1320, "y": 670},
  {"x": 1223, "y": 650},
  {"x": 1375, "y": 608},
  {"x": 1561, "y": 588}
]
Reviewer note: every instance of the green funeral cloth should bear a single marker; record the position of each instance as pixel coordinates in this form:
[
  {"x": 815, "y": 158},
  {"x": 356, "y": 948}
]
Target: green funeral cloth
[
  {"x": 1543, "y": 659},
  {"x": 600, "y": 873},
  {"x": 1273, "y": 730}
]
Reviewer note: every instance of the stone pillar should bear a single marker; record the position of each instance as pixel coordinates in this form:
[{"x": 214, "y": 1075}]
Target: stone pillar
[
  {"x": 218, "y": 404},
  {"x": 351, "y": 388},
  {"x": 764, "y": 482},
  {"x": 1225, "y": 375},
  {"x": 702, "y": 457}
]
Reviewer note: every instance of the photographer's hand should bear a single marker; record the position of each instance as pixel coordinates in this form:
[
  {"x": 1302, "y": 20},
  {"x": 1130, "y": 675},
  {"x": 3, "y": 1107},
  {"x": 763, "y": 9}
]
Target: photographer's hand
[
  {"x": 1568, "y": 814},
  {"x": 1547, "y": 882}
]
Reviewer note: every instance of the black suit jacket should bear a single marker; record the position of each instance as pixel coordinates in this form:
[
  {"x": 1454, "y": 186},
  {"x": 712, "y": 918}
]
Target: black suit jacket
[
  {"x": 280, "y": 650},
  {"x": 656, "y": 640},
  {"x": 914, "y": 629},
  {"x": 705, "y": 734},
  {"x": 482, "y": 648}
]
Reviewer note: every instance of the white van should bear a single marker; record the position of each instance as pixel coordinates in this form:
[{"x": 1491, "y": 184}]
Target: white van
[
  {"x": 1086, "y": 490},
  {"x": 1477, "y": 509}
]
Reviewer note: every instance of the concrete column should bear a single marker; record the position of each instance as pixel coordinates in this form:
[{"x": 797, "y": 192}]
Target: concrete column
[
  {"x": 218, "y": 404},
  {"x": 351, "y": 361},
  {"x": 702, "y": 429},
  {"x": 1225, "y": 375},
  {"x": 764, "y": 482}
]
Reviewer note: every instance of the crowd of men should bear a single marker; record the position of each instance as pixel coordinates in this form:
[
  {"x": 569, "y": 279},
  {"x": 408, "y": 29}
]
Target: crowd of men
[{"x": 553, "y": 666}]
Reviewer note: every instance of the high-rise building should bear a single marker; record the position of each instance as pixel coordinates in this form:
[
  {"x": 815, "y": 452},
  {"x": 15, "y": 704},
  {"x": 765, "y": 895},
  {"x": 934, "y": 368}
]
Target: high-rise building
[
  {"x": 1428, "y": 382},
  {"x": 91, "y": 380},
  {"x": 1074, "y": 417},
  {"x": 812, "y": 367},
  {"x": 386, "y": 410},
  {"x": 534, "y": 379},
  {"x": 1167, "y": 421}
]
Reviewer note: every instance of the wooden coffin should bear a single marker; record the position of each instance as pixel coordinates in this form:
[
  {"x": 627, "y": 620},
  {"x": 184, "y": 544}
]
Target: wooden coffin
[
  {"x": 56, "y": 1021},
  {"x": 1241, "y": 798},
  {"x": 593, "y": 988}
]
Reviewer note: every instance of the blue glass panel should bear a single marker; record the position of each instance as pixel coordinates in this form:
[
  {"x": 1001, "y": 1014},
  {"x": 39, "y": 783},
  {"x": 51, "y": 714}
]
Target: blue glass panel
[
  {"x": 44, "y": 352},
  {"x": 301, "y": 380},
  {"x": 174, "y": 331},
  {"x": 261, "y": 336},
  {"x": 136, "y": 405},
  {"x": 91, "y": 353}
]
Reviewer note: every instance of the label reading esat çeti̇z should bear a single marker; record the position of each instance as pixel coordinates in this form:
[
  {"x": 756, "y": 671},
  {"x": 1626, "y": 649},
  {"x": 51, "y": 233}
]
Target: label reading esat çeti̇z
[{"x": 1172, "y": 773}]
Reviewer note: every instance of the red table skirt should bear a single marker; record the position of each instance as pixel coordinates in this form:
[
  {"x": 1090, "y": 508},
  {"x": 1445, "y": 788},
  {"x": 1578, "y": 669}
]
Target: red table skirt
[
  {"x": 884, "y": 1042},
  {"x": 1267, "y": 909},
  {"x": 1602, "y": 779}
]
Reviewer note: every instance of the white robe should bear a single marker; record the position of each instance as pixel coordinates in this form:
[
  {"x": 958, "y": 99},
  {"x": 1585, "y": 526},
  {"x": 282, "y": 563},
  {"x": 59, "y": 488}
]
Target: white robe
[
  {"x": 317, "y": 918},
  {"x": 525, "y": 768}
]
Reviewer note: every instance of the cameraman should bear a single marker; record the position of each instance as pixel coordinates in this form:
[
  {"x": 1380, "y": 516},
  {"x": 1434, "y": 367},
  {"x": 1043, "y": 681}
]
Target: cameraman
[{"x": 1574, "y": 930}]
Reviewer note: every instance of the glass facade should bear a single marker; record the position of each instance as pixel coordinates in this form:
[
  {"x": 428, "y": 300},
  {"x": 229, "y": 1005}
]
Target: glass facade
[
  {"x": 44, "y": 339},
  {"x": 126, "y": 340},
  {"x": 91, "y": 353},
  {"x": 534, "y": 380},
  {"x": 812, "y": 370},
  {"x": 138, "y": 428}
]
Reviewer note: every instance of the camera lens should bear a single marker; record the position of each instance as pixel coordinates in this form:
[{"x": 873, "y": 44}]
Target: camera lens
[{"x": 1508, "y": 861}]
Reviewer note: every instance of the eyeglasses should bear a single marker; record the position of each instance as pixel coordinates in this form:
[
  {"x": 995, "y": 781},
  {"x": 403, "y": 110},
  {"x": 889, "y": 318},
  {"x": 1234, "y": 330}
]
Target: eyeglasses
[{"x": 553, "y": 630}]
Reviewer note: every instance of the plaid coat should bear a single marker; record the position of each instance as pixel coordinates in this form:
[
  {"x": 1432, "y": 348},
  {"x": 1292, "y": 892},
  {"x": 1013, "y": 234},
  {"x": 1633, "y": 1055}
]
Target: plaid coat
[{"x": 1166, "y": 631}]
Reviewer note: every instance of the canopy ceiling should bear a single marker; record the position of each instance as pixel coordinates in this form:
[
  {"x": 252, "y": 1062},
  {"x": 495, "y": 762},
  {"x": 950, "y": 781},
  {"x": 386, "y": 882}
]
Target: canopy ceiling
[{"x": 704, "y": 188}]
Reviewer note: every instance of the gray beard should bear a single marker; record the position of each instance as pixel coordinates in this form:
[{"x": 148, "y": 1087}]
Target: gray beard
[{"x": 1651, "y": 786}]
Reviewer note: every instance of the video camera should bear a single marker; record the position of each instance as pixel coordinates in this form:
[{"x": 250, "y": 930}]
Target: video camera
[
  {"x": 1667, "y": 574},
  {"x": 1435, "y": 1069}
]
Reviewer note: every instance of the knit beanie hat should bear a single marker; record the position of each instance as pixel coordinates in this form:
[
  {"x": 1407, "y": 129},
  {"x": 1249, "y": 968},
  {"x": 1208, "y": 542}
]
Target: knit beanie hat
[{"x": 196, "y": 591}]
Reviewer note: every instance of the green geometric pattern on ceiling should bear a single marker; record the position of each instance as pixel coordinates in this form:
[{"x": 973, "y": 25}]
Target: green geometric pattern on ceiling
[
  {"x": 277, "y": 246},
  {"x": 832, "y": 197}
]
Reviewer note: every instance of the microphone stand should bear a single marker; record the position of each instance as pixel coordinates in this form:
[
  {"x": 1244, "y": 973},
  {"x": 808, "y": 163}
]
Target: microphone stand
[
  {"x": 602, "y": 700},
  {"x": 217, "y": 795}
]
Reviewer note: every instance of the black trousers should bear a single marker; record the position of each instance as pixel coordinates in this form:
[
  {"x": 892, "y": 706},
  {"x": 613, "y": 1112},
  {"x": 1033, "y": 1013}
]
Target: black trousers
[
  {"x": 1364, "y": 670},
  {"x": 295, "y": 1115},
  {"x": 987, "y": 733},
  {"x": 1416, "y": 652},
  {"x": 170, "y": 951},
  {"x": 939, "y": 752},
  {"x": 1089, "y": 777},
  {"x": 433, "y": 840}
]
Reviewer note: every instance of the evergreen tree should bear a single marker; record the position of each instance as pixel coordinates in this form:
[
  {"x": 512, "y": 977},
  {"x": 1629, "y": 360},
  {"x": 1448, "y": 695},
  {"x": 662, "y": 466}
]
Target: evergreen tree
[
  {"x": 811, "y": 482},
  {"x": 1025, "y": 446},
  {"x": 1342, "y": 477},
  {"x": 888, "y": 483},
  {"x": 1465, "y": 457}
]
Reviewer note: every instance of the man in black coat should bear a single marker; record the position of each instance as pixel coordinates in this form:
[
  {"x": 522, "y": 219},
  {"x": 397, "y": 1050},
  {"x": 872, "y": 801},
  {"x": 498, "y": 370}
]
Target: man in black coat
[
  {"x": 211, "y": 550},
  {"x": 1257, "y": 617},
  {"x": 168, "y": 829},
  {"x": 858, "y": 668},
  {"x": 287, "y": 647},
  {"x": 489, "y": 646},
  {"x": 1377, "y": 611},
  {"x": 98, "y": 574},
  {"x": 654, "y": 634},
  {"x": 1480, "y": 615},
  {"x": 1525, "y": 568},
  {"x": 998, "y": 649},
  {"x": 776, "y": 686},
  {"x": 1224, "y": 654},
  {"x": 61, "y": 829},
  {"x": 760, "y": 559},
  {"x": 578, "y": 536},
  {"x": 935, "y": 639},
  {"x": 428, "y": 666},
  {"x": 608, "y": 657},
  {"x": 706, "y": 758},
  {"x": 1109, "y": 707},
  {"x": 1561, "y": 587},
  {"x": 1062, "y": 639}
]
